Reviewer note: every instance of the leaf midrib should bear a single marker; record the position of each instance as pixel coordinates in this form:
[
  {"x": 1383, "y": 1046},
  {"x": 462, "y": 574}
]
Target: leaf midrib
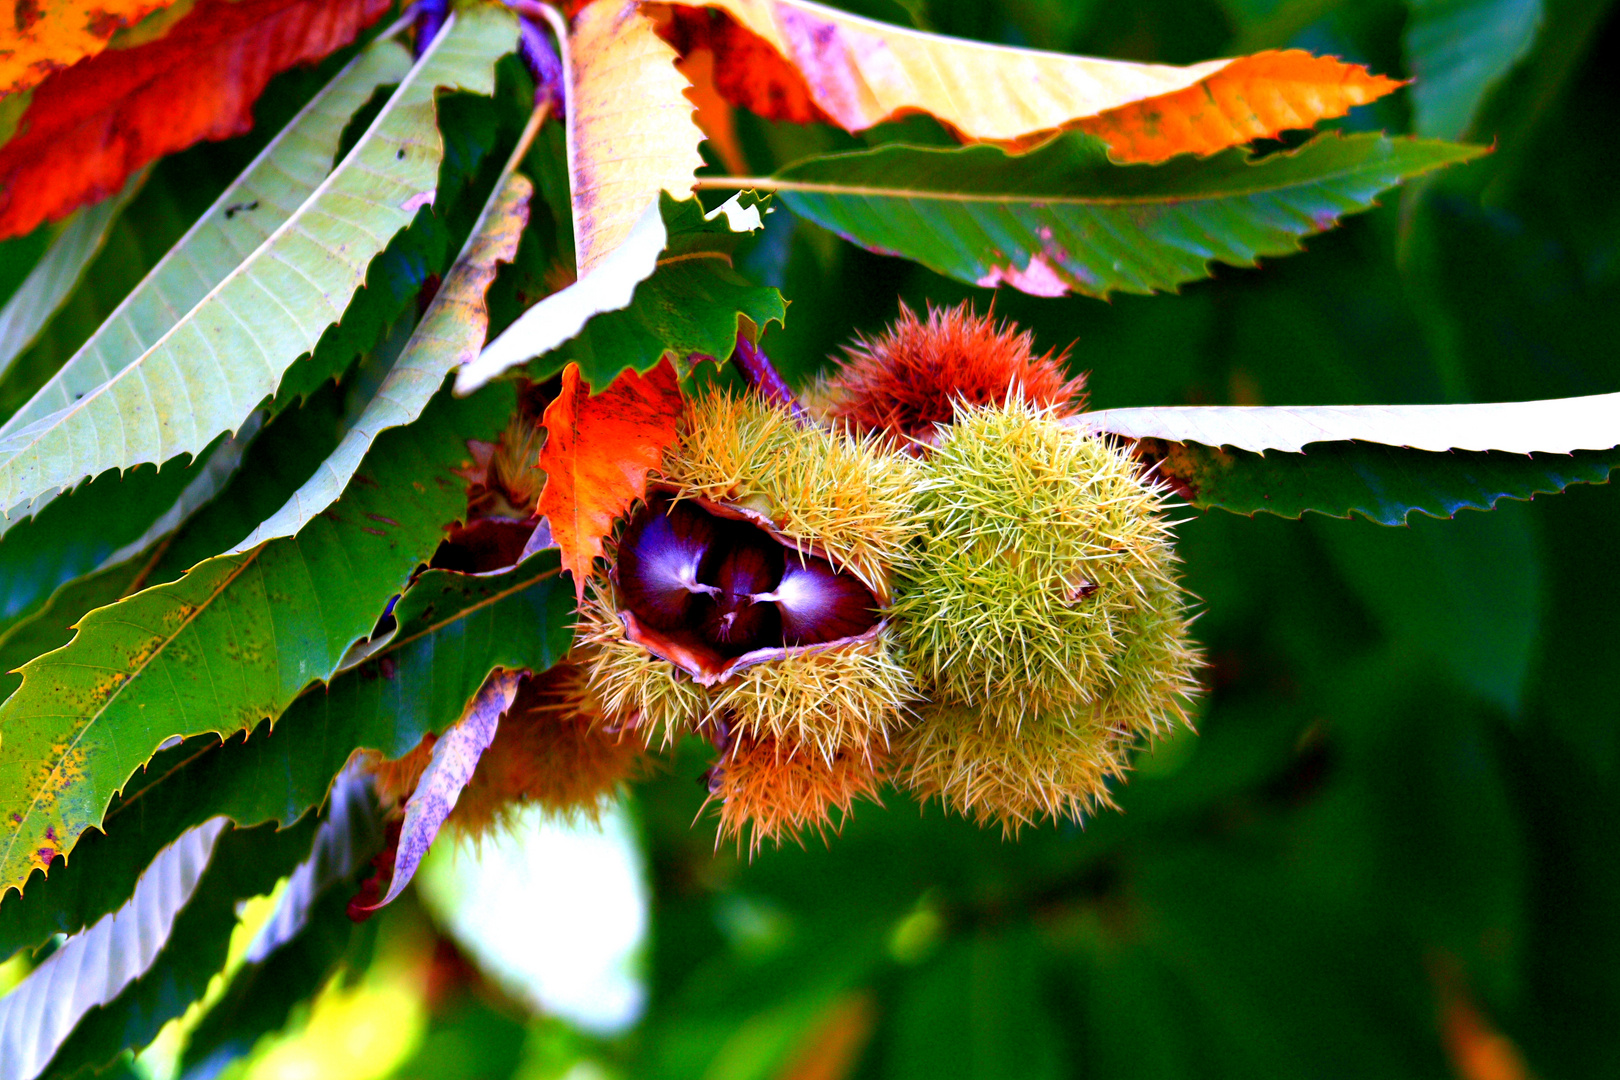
[
  {"x": 1012, "y": 198},
  {"x": 242, "y": 268}
]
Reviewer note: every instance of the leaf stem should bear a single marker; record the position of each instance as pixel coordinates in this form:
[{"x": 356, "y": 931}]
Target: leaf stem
[
  {"x": 542, "y": 111},
  {"x": 737, "y": 183}
]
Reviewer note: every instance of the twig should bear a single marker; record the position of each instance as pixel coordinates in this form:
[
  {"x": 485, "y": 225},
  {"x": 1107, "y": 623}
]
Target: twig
[
  {"x": 429, "y": 21},
  {"x": 762, "y": 375},
  {"x": 541, "y": 58}
]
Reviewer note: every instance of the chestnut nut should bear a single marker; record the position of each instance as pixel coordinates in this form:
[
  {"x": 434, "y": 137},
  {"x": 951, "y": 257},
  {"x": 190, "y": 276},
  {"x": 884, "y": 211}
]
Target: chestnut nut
[{"x": 732, "y": 585}]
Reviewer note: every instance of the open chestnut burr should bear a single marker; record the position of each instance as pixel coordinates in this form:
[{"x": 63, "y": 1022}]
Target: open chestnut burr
[{"x": 711, "y": 590}]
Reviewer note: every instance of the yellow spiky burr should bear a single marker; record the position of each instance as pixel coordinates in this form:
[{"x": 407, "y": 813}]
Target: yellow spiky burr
[
  {"x": 747, "y": 604},
  {"x": 1060, "y": 762}
]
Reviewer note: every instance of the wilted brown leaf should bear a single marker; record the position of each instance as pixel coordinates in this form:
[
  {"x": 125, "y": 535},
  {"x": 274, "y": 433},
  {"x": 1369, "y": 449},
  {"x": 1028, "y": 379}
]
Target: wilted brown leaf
[{"x": 630, "y": 129}]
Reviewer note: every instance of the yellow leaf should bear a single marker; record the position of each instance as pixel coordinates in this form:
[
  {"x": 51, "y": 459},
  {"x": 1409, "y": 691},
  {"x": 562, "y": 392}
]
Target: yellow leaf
[
  {"x": 795, "y": 60},
  {"x": 53, "y": 34},
  {"x": 630, "y": 129}
]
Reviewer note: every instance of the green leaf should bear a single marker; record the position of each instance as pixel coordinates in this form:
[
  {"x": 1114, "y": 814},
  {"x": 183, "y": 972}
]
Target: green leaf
[
  {"x": 114, "y": 987},
  {"x": 471, "y": 126},
  {"x": 208, "y": 371},
  {"x": 275, "y": 464},
  {"x": 694, "y": 306},
  {"x": 136, "y": 240},
  {"x": 269, "y": 191},
  {"x": 75, "y": 534},
  {"x": 57, "y": 272},
  {"x": 1384, "y": 483},
  {"x": 308, "y": 936},
  {"x": 1065, "y": 218},
  {"x": 231, "y": 643},
  {"x": 451, "y": 332},
  {"x": 130, "y": 513},
  {"x": 51, "y": 626},
  {"x": 453, "y": 629},
  {"x": 1459, "y": 50},
  {"x": 260, "y": 997},
  {"x": 692, "y": 302}
]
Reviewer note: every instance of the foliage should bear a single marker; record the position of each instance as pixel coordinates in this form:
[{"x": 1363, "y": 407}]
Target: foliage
[{"x": 332, "y": 334}]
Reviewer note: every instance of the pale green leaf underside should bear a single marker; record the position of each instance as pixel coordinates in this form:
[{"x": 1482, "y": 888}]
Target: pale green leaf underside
[
  {"x": 93, "y": 967},
  {"x": 213, "y": 367},
  {"x": 1555, "y": 425},
  {"x": 52, "y": 280},
  {"x": 450, "y": 334},
  {"x": 261, "y": 200}
]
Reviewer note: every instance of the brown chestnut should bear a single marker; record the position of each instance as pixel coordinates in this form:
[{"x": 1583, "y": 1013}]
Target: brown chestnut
[
  {"x": 817, "y": 603},
  {"x": 751, "y": 563},
  {"x": 660, "y": 557}
]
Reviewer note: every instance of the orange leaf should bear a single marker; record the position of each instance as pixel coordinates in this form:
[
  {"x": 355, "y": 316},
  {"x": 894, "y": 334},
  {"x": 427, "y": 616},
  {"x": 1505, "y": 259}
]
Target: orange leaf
[
  {"x": 713, "y": 115},
  {"x": 89, "y": 127},
  {"x": 796, "y": 60},
  {"x": 597, "y": 454},
  {"x": 54, "y": 34},
  {"x": 1254, "y": 97}
]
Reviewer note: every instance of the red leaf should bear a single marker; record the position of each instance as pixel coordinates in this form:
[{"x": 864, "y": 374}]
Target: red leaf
[
  {"x": 89, "y": 127},
  {"x": 597, "y": 455}
]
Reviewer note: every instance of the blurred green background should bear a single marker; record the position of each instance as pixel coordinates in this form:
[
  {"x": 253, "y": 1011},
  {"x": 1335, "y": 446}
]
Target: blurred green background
[{"x": 1389, "y": 850}]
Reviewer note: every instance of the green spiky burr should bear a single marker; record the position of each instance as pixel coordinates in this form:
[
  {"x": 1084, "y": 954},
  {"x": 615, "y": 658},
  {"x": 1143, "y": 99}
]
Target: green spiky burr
[{"x": 1039, "y": 550}]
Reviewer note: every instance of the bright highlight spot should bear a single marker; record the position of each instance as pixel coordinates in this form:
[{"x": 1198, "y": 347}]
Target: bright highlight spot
[
  {"x": 554, "y": 911},
  {"x": 363, "y": 1033}
]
